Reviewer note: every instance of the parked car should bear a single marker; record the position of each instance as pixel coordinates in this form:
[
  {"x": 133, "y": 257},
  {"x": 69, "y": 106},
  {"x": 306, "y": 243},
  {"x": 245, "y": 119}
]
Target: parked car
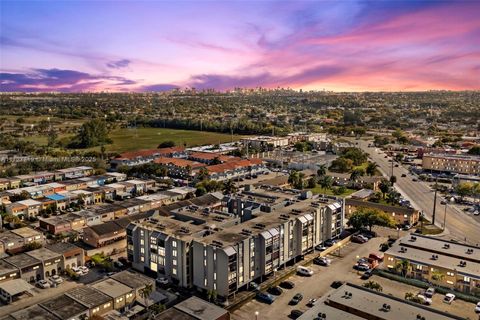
[
  {"x": 376, "y": 256},
  {"x": 304, "y": 271},
  {"x": 44, "y": 284},
  {"x": 477, "y": 308},
  {"x": 287, "y": 284},
  {"x": 364, "y": 237},
  {"x": 295, "y": 314},
  {"x": 424, "y": 300},
  {"x": 322, "y": 261},
  {"x": 56, "y": 279},
  {"x": 118, "y": 264},
  {"x": 84, "y": 269},
  {"x": 162, "y": 281},
  {"x": 407, "y": 227},
  {"x": 320, "y": 247},
  {"x": 329, "y": 242},
  {"x": 361, "y": 267},
  {"x": 358, "y": 239},
  {"x": 429, "y": 292},
  {"x": 367, "y": 274},
  {"x": 276, "y": 291},
  {"x": 311, "y": 302},
  {"x": 254, "y": 286},
  {"x": 414, "y": 180},
  {"x": 369, "y": 234},
  {"x": 265, "y": 297},
  {"x": 296, "y": 299},
  {"x": 77, "y": 271},
  {"x": 336, "y": 284},
  {"x": 403, "y": 175},
  {"x": 449, "y": 297}
]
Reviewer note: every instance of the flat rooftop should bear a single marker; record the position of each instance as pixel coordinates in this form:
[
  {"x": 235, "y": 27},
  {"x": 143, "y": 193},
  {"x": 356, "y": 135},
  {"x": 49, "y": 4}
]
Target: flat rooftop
[
  {"x": 6, "y": 267},
  {"x": 63, "y": 307},
  {"x": 423, "y": 257},
  {"x": 44, "y": 254},
  {"x": 132, "y": 279},
  {"x": 33, "y": 313},
  {"x": 200, "y": 309},
  {"x": 88, "y": 296},
  {"x": 62, "y": 247},
  {"x": 359, "y": 299},
  {"x": 22, "y": 260},
  {"x": 26, "y": 232},
  {"x": 112, "y": 288}
]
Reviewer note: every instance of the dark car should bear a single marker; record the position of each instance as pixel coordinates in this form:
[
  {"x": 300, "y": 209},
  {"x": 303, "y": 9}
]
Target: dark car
[
  {"x": 367, "y": 274},
  {"x": 329, "y": 243},
  {"x": 254, "y": 286},
  {"x": 322, "y": 261},
  {"x": 287, "y": 284},
  {"x": 403, "y": 175},
  {"x": 265, "y": 297},
  {"x": 369, "y": 234},
  {"x": 357, "y": 239},
  {"x": 276, "y": 291},
  {"x": 295, "y": 314},
  {"x": 296, "y": 299},
  {"x": 336, "y": 284}
]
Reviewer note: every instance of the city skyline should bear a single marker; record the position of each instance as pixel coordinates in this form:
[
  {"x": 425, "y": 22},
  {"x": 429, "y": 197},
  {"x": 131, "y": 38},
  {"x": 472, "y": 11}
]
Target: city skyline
[{"x": 157, "y": 46}]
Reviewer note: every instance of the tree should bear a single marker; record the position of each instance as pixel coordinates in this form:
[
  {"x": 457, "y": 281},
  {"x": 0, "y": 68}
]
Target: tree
[
  {"x": 475, "y": 150},
  {"x": 355, "y": 154},
  {"x": 393, "y": 180},
  {"x": 403, "y": 267},
  {"x": 312, "y": 182},
  {"x": 229, "y": 187},
  {"x": 373, "y": 285},
  {"x": 32, "y": 246},
  {"x": 212, "y": 294},
  {"x": 145, "y": 293},
  {"x": 365, "y": 217},
  {"x": 357, "y": 173},
  {"x": 393, "y": 197},
  {"x": 326, "y": 182},
  {"x": 202, "y": 174},
  {"x": 52, "y": 139},
  {"x": 384, "y": 187},
  {"x": 322, "y": 170},
  {"x": 167, "y": 144},
  {"x": 341, "y": 165},
  {"x": 92, "y": 133},
  {"x": 293, "y": 177},
  {"x": 464, "y": 189},
  {"x": 371, "y": 168}
]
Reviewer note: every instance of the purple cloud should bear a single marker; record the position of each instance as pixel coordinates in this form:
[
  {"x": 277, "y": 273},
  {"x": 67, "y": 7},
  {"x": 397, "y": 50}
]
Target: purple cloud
[
  {"x": 119, "y": 64},
  {"x": 57, "y": 80}
]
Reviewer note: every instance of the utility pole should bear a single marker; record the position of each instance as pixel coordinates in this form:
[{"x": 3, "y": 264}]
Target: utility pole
[
  {"x": 445, "y": 218},
  {"x": 434, "y": 202}
]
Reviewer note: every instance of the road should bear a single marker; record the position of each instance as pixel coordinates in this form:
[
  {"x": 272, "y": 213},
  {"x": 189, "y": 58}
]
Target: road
[
  {"x": 459, "y": 226},
  {"x": 341, "y": 269}
]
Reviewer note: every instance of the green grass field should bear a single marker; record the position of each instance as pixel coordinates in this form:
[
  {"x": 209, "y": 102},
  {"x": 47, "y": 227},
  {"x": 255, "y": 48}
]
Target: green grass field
[
  {"x": 147, "y": 138},
  {"x": 320, "y": 190}
]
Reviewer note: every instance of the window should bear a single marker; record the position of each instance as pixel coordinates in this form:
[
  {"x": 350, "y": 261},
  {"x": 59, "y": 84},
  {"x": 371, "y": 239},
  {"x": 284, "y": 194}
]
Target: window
[
  {"x": 174, "y": 244},
  {"x": 119, "y": 300},
  {"x": 451, "y": 274},
  {"x": 419, "y": 267},
  {"x": 466, "y": 279},
  {"x": 174, "y": 271},
  {"x": 174, "y": 253},
  {"x": 174, "y": 262},
  {"x": 96, "y": 309}
]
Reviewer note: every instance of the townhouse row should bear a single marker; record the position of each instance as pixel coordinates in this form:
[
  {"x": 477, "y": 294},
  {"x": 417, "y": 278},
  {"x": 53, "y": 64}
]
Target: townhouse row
[{"x": 222, "y": 243}]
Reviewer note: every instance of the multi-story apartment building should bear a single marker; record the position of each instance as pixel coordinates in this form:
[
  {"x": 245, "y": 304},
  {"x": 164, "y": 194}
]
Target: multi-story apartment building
[
  {"x": 451, "y": 163},
  {"x": 195, "y": 244},
  {"x": 445, "y": 263}
]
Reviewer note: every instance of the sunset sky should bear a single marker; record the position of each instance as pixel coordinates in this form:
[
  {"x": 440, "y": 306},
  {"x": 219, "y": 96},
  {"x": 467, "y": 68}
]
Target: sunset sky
[{"x": 140, "y": 46}]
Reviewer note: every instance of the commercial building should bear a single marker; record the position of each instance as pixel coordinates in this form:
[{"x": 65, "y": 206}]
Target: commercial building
[
  {"x": 463, "y": 164},
  {"x": 32, "y": 313},
  {"x": 72, "y": 256},
  {"x": 445, "y": 263},
  {"x": 262, "y": 142},
  {"x": 134, "y": 280},
  {"x": 97, "y": 302},
  {"x": 14, "y": 241},
  {"x": 354, "y": 302},
  {"x": 121, "y": 294},
  {"x": 30, "y": 269},
  {"x": 222, "y": 246},
  {"x": 65, "y": 308}
]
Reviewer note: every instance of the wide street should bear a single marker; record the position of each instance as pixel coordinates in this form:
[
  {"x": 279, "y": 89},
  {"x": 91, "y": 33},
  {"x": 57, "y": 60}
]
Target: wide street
[
  {"x": 460, "y": 226},
  {"x": 340, "y": 269}
]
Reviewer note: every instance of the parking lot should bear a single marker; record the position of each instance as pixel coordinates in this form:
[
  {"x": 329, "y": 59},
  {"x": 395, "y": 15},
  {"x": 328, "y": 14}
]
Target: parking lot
[{"x": 340, "y": 269}]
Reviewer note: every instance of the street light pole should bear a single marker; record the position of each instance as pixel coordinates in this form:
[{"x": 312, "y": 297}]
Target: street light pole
[
  {"x": 256, "y": 315},
  {"x": 445, "y": 218},
  {"x": 435, "y": 202}
]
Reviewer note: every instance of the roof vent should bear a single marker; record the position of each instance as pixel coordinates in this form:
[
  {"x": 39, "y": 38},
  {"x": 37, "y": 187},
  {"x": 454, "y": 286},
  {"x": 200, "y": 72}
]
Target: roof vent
[
  {"x": 434, "y": 257},
  {"x": 446, "y": 246},
  {"x": 386, "y": 307},
  {"x": 322, "y": 315},
  {"x": 413, "y": 238},
  {"x": 463, "y": 263},
  {"x": 469, "y": 251}
]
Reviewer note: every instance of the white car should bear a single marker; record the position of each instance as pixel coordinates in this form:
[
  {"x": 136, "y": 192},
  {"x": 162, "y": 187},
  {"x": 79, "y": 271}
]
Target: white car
[
  {"x": 77, "y": 271},
  {"x": 56, "y": 279},
  {"x": 43, "y": 284},
  {"x": 83, "y": 269},
  {"x": 430, "y": 292},
  {"x": 477, "y": 308},
  {"x": 425, "y": 300},
  {"x": 303, "y": 271},
  {"x": 449, "y": 297}
]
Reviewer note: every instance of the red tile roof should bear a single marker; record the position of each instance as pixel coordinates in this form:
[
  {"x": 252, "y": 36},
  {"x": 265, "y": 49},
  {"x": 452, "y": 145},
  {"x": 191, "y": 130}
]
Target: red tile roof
[
  {"x": 231, "y": 165},
  {"x": 178, "y": 162},
  {"x": 211, "y": 155}
]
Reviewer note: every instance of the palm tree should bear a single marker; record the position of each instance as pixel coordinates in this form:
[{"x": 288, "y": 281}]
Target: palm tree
[
  {"x": 145, "y": 293},
  {"x": 293, "y": 178},
  {"x": 326, "y": 182},
  {"x": 322, "y": 170},
  {"x": 403, "y": 267},
  {"x": 371, "y": 168},
  {"x": 373, "y": 285},
  {"x": 384, "y": 187},
  {"x": 229, "y": 187}
]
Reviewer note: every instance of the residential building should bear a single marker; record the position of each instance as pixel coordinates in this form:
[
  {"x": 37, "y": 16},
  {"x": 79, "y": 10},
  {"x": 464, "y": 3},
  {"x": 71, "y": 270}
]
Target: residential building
[
  {"x": 401, "y": 215},
  {"x": 179, "y": 168},
  {"x": 133, "y": 158},
  {"x": 445, "y": 263},
  {"x": 194, "y": 309},
  {"x": 72, "y": 255},
  {"x": 222, "y": 243},
  {"x": 463, "y": 164},
  {"x": 355, "y": 302},
  {"x": 235, "y": 169},
  {"x": 210, "y": 158},
  {"x": 96, "y": 301},
  {"x": 8, "y": 271},
  {"x": 262, "y": 142},
  {"x": 122, "y": 295},
  {"x": 30, "y": 268},
  {"x": 134, "y": 280},
  {"x": 65, "y": 308},
  {"x": 63, "y": 224},
  {"x": 52, "y": 262},
  {"x": 13, "y": 289},
  {"x": 14, "y": 241},
  {"x": 101, "y": 235}
]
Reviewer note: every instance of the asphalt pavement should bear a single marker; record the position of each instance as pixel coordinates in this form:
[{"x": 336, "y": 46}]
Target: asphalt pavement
[{"x": 459, "y": 226}]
